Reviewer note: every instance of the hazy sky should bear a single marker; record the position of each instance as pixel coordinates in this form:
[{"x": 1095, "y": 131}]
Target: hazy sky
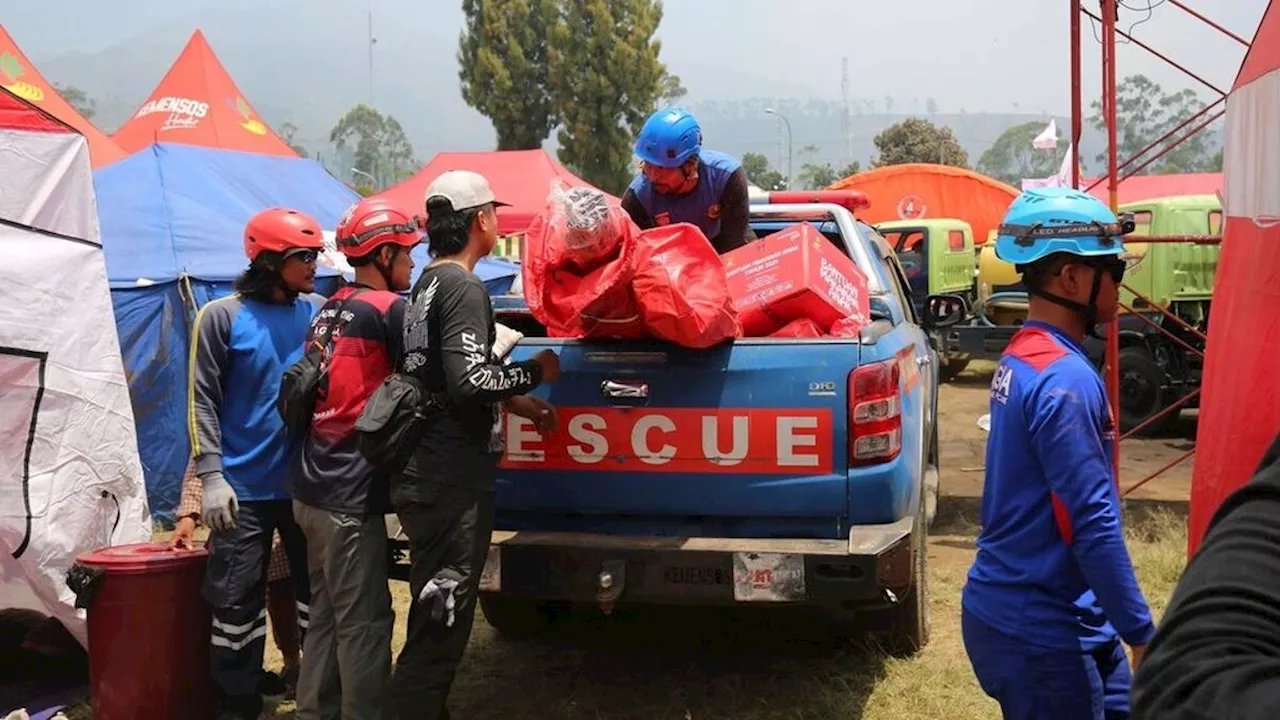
[{"x": 981, "y": 55}]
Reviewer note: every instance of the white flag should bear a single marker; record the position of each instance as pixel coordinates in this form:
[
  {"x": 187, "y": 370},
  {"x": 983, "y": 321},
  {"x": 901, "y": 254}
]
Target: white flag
[
  {"x": 1048, "y": 138},
  {"x": 1062, "y": 178}
]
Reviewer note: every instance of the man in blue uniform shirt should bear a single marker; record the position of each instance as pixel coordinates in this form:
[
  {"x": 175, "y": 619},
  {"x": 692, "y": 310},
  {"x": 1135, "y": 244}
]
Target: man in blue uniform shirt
[
  {"x": 1052, "y": 592},
  {"x": 679, "y": 182}
]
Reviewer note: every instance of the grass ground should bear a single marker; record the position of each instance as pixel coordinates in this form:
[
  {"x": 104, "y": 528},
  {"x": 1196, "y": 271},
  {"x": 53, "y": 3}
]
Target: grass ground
[{"x": 699, "y": 665}]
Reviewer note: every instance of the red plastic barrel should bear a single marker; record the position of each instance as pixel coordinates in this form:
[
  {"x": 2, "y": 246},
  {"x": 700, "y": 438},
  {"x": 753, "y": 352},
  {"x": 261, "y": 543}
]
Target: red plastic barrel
[{"x": 149, "y": 634}]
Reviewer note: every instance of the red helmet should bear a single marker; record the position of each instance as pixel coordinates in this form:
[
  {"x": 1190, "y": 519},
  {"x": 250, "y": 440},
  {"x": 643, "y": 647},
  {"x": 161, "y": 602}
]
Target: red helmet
[
  {"x": 374, "y": 222},
  {"x": 281, "y": 230}
]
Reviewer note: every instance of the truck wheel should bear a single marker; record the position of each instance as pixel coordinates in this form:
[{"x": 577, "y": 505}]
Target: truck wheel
[
  {"x": 903, "y": 630},
  {"x": 1142, "y": 391},
  {"x": 516, "y": 617}
]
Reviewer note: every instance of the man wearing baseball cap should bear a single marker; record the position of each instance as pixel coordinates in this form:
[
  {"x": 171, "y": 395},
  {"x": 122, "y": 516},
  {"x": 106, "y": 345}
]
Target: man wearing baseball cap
[{"x": 444, "y": 496}]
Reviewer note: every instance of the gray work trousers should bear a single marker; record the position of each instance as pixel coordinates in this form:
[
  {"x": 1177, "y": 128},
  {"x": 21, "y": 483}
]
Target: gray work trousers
[{"x": 346, "y": 661}]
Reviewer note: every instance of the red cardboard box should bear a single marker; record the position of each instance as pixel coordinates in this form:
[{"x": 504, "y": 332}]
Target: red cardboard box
[{"x": 794, "y": 274}]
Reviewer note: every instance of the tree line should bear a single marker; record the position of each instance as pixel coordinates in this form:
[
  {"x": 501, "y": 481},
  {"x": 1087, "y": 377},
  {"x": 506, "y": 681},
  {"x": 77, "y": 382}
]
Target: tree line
[{"x": 590, "y": 71}]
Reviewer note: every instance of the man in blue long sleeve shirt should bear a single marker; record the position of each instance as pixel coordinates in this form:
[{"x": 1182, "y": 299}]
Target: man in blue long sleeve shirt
[{"x": 1052, "y": 592}]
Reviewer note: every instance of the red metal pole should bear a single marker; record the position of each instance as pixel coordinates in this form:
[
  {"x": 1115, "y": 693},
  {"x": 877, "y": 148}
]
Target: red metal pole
[
  {"x": 1109, "y": 106},
  {"x": 1150, "y": 49},
  {"x": 1157, "y": 473},
  {"x": 1179, "y": 141},
  {"x": 1210, "y": 23},
  {"x": 1198, "y": 114},
  {"x": 1077, "y": 111}
]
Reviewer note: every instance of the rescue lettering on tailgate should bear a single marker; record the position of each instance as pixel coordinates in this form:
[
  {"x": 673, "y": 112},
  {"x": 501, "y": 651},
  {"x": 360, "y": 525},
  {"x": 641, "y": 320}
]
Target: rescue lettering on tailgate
[{"x": 676, "y": 440}]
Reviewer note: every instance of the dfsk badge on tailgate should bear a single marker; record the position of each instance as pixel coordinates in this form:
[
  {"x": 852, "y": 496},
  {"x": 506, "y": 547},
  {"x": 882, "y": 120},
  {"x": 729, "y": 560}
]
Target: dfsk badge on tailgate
[{"x": 676, "y": 440}]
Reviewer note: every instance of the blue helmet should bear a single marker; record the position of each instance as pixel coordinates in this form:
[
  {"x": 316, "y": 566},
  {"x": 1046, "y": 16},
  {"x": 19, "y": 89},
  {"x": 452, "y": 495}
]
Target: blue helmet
[
  {"x": 669, "y": 138},
  {"x": 1045, "y": 221}
]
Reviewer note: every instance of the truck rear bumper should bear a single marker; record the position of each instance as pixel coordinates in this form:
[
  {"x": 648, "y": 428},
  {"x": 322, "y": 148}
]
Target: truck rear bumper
[{"x": 867, "y": 570}]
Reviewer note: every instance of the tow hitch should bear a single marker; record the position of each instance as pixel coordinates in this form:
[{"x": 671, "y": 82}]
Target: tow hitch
[{"x": 610, "y": 583}]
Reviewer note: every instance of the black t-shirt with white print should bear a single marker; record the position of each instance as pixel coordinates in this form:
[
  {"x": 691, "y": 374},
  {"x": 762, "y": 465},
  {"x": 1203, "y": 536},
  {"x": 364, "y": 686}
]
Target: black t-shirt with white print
[{"x": 449, "y": 333}]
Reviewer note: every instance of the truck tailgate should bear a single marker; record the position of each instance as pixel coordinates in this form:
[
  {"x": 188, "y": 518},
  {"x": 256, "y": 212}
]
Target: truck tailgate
[{"x": 753, "y": 429}]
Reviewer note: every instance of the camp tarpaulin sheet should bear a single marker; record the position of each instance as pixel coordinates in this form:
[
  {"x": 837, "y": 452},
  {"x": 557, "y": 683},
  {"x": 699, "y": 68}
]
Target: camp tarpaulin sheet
[
  {"x": 919, "y": 190},
  {"x": 1240, "y": 396},
  {"x": 70, "y": 480},
  {"x": 521, "y": 178},
  {"x": 172, "y": 210}
]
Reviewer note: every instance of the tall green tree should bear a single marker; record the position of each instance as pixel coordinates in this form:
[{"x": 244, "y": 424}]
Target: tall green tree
[
  {"x": 1145, "y": 113},
  {"x": 605, "y": 79},
  {"x": 673, "y": 91},
  {"x": 916, "y": 140},
  {"x": 78, "y": 99},
  {"x": 1012, "y": 158},
  {"x": 819, "y": 177},
  {"x": 756, "y": 167},
  {"x": 503, "y": 67},
  {"x": 379, "y": 146}
]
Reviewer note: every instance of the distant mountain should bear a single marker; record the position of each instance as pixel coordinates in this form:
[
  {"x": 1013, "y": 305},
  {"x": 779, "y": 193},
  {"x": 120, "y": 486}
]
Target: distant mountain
[{"x": 319, "y": 69}]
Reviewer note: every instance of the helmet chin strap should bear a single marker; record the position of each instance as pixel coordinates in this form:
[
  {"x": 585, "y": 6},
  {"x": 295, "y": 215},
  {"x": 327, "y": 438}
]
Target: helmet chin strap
[{"x": 1087, "y": 312}]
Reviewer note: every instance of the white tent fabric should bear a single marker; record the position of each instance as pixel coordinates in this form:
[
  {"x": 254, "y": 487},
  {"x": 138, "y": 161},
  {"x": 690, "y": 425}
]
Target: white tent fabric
[{"x": 70, "y": 480}]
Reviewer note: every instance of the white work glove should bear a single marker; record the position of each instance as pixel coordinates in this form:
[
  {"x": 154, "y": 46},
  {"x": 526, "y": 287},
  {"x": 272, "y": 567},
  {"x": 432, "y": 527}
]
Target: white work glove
[
  {"x": 439, "y": 598},
  {"x": 506, "y": 339},
  {"x": 219, "y": 504}
]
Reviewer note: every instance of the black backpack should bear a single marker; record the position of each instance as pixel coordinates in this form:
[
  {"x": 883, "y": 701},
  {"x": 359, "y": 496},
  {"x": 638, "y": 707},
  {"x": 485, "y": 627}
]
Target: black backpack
[{"x": 303, "y": 380}]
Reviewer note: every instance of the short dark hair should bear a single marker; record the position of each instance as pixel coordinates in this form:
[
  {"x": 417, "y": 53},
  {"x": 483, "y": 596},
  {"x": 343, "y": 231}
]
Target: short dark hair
[
  {"x": 262, "y": 278},
  {"x": 368, "y": 258},
  {"x": 448, "y": 230}
]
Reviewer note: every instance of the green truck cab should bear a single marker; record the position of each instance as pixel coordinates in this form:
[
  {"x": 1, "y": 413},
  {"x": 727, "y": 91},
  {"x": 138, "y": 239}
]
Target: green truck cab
[
  {"x": 938, "y": 257},
  {"x": 1155, "y": 370}
]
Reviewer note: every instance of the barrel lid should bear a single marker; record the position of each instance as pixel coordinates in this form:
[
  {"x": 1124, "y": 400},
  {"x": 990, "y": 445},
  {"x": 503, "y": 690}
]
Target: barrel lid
[{"x": 142, "y": 557}]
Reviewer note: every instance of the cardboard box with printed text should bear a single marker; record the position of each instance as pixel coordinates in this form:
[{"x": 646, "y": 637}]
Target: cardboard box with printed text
[{"x": 794, "y": 274}]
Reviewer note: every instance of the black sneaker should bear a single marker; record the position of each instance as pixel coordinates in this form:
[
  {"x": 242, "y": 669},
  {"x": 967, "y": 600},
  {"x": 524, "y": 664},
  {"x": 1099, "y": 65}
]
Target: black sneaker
[{"x": 272, "y": 687}]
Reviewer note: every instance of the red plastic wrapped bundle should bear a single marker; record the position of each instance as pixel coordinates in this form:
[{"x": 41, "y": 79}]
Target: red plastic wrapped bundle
[
  {"x": 579, "y": 261},
  {"x": 802, "y": 328},
  {"x": 849, "y": 327},
  {"x": 681, "y": 289}
]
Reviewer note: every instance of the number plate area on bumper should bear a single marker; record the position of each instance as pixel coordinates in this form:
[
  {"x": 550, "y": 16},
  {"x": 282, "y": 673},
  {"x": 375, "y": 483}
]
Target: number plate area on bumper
[{"x": 641, "y": 576}]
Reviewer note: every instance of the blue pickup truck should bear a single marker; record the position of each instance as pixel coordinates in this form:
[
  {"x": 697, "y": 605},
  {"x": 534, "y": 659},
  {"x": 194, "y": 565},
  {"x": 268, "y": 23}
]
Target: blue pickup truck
[{"x": 797, "y": 471}]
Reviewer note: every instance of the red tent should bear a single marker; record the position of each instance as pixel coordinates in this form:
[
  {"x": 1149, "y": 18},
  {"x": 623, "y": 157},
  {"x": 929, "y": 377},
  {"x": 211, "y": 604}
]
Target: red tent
[
  {"x": 18, "y": 76},
  {"x": 197, "y": 103},
  {"x": 1150, "y": 187},
  {"x": 1240, "y": 407},
  {"x": 521, "y": 178}
]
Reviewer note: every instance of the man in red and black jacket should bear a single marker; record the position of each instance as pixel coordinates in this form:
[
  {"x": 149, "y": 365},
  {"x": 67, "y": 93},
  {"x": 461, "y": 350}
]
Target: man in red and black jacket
[{"x": 340, "y": 500}]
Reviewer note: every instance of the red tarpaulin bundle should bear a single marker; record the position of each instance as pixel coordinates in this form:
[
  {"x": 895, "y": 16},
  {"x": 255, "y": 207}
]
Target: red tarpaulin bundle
[
  {"x": 681, "y": 288},
  {"x": 579, "y": 261},
  {"x": 802, "y": 328}
]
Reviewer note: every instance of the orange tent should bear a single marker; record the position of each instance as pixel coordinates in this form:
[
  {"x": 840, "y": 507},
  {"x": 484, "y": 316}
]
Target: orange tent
[
  {"x": 197, "y": 103},
  {"x": 920, "y": 190},
  {"x": 1240, "y": 398},
  {"x": 18, "y": 76}
]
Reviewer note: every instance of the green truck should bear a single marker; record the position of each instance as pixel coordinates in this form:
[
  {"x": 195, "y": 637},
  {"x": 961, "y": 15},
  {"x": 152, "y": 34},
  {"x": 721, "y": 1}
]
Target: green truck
[
  {"x": 1156, "y": 370},
  {"x": 938, "y": 257}
]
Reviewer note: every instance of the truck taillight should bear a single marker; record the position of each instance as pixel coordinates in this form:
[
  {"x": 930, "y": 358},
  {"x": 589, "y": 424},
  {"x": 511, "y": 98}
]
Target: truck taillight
[{"x": 875, "y": 413}]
